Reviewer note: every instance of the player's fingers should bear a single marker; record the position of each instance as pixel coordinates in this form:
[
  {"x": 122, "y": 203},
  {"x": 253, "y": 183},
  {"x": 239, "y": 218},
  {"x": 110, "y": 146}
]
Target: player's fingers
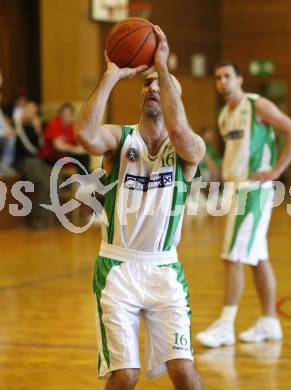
[
  {"x": 106, "y": 56},
  {"x": 160, "y": 32},
  {"x": 141, "y": 68},
  {"x": 133, "y": 71}
]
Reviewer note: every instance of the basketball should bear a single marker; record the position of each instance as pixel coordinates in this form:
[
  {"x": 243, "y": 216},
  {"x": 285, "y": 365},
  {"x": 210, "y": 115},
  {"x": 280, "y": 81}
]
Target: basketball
[{"x": 132, "y": 42}]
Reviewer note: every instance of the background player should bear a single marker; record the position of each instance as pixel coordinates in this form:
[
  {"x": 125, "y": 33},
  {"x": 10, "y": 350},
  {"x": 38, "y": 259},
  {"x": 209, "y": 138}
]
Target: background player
[{"x": 246, "y": 123}]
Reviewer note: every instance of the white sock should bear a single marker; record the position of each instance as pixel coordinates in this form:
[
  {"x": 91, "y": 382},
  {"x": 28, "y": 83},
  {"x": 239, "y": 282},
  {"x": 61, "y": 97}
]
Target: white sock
[
  {"x": 229, "y": 313},
  {"x": 270, "y": 320}
]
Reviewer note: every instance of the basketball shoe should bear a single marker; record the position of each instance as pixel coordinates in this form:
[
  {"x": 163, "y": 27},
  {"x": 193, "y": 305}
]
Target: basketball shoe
[
  {"x": 265, "y": 329},
  {"x": 218, "y": 334}
]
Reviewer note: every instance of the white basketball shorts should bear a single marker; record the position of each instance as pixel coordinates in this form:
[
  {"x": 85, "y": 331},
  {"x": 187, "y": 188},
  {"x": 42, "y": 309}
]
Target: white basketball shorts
[
  {"x": 141, "y": 285},
  {"x": 247, "y": 225}
]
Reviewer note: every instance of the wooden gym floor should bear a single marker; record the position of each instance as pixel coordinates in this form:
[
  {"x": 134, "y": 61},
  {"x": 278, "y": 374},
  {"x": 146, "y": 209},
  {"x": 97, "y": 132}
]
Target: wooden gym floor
[{"x": 47, "y": 310}]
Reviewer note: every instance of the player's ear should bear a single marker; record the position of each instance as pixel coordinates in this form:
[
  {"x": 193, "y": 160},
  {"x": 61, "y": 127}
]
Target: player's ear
[{"x": 241, "y": 80}]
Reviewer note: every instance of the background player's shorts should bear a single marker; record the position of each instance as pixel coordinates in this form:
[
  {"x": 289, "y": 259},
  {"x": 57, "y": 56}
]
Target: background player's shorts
[
  {"x": 126, "y": 291},
  {"x": 245, "y": 237}
]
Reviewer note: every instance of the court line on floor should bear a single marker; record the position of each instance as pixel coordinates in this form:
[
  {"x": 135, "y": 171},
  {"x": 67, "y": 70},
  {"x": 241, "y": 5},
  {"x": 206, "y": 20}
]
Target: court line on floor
[
  {"x": 48, "y": 279},
  {"x": 280, "y": 310}
]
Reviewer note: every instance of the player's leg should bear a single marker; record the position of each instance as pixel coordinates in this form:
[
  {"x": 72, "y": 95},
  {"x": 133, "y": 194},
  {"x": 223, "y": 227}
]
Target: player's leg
[
  {"x": 125, "y": 379},
  {"x": 244, "y": 242},
  {"x": 118, "y": 321},
  {"x": 266, "y": 287},
  {"x": 221, "y": 331},
  {"x": 234, "y": 282},
  {"x": 268, "y": 326},
  {"x": 168, "y": 345},
  {"x": 183, "y": 375}
]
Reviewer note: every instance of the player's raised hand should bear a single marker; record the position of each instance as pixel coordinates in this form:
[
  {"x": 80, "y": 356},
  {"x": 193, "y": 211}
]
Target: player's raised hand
[
  {"x": 162, "y": 51},
  {"x": 122, "y": 73}
]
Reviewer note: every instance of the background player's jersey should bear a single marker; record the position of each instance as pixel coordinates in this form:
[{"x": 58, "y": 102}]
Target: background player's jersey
[
  {"x": 145, "y": 209},
  {"x": 250, "y": 146}
]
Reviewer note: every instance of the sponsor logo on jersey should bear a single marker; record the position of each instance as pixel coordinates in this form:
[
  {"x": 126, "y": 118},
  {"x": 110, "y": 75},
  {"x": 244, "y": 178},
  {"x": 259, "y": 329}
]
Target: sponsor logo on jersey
[
  {"x": 132, "y": 155},
  {"x": 234, "y": 134},
  {"x": 144, "y": 183}
]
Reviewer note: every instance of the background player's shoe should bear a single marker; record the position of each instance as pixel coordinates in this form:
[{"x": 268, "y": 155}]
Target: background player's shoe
[
  {"x": 265, "y": 329},
  {"x": 218, "y": 334}
]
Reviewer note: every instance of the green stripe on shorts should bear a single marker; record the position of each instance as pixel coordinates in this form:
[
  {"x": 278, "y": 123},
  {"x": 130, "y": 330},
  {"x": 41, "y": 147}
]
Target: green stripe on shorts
[
  {"x": 255, "y": 204},
  {"x": 102, "y": 268}
]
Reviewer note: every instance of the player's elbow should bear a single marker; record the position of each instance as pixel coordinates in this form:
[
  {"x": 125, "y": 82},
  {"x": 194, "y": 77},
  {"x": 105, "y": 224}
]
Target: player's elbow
[
  {"x": 200, "y": 148},
  {"x": 82, "y": 139},
  {"x": 93, "y": 146},
  {"x": 190, "y": 144}
]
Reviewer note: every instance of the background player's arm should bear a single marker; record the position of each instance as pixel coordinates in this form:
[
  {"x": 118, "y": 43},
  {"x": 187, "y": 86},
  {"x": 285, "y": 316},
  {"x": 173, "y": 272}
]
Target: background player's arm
[
  {"x": 269, "y": 114},
  {"x": 189, "y": 146},
  {"x": 96, "y": 138}
]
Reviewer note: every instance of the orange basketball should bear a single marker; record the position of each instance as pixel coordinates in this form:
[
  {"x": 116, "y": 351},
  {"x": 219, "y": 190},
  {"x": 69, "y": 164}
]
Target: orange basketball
[{"x": 132, "y": 42}]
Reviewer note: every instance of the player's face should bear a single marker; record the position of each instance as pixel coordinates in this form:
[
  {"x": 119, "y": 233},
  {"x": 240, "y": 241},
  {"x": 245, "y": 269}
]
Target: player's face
[
  {"x": 227, "y": 81},
  {"x": 151, "y": 96}
]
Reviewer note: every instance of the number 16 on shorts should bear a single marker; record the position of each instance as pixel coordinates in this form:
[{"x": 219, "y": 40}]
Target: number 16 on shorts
[{"x": 181, "y": 342}]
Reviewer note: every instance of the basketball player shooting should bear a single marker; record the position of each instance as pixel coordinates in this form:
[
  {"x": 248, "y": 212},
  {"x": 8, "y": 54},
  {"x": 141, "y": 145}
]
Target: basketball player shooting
[{"x": 137, "y": 272}]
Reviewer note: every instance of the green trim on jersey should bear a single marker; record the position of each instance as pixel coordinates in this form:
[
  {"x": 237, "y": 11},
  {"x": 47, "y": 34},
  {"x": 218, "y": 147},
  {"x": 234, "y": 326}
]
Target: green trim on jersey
[
  {"x": 179, "y": 269},
  {"x": 102, "y": 268},
  {"x": 110, "y": 197},
  {"x": 261, "y": 136},
  {"x": 255, "y": 204},
  {"x": 179, "y": 199}
]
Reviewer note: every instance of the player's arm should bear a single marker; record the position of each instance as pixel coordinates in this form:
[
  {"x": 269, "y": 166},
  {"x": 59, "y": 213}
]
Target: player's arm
[
  {"x": 269, "y": 114},
  {"x": 189, "y": 146},
  {"x": 96, "y": 138}
]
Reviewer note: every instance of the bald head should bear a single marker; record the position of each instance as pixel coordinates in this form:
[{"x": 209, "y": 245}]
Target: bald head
[{"x": 154, "y": 75}]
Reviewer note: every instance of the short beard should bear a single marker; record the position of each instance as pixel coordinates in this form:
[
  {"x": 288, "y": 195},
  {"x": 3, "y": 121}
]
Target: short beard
[{"x": 152, "y": 112}]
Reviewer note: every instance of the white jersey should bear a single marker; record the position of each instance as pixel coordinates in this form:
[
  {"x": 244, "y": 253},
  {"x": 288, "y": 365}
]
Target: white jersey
[
  {"x": 249, "y": 145},
  {"x": 145, "y": 209}
]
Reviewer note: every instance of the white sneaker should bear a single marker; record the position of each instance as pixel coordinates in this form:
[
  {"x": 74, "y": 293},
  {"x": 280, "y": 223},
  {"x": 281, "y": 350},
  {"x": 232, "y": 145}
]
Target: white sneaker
[
  {"x": 265, "y": 329},
  {"x": 218, "y": 334}
]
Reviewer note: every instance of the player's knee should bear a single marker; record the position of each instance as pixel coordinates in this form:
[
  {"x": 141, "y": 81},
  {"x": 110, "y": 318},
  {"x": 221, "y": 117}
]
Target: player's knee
[
  {"x": 125, "y": 379},
  {"x": 183, "y": 375}
]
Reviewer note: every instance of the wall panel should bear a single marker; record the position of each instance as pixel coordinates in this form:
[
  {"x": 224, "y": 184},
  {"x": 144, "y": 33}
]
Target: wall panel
[
  {"x": 71, "y": 52},
  {"x": 19, "y": 48}
]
